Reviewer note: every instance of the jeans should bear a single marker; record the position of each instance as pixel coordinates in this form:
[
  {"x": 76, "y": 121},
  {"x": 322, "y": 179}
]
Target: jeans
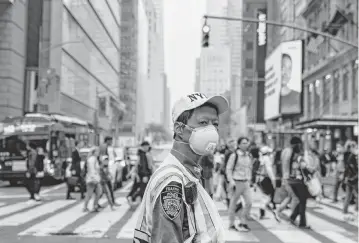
[
  {"x": 351, "y": 190},
  {"x": 242, "y": 189},
  {"x": 109, "y": 185},
  {"x": 300, "y": 201},
  {"x": 33, "y": 186}
]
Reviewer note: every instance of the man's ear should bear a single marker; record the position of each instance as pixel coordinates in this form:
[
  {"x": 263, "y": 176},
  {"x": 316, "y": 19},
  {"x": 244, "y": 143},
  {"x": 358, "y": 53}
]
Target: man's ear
[{"x": 178, "y": 129}]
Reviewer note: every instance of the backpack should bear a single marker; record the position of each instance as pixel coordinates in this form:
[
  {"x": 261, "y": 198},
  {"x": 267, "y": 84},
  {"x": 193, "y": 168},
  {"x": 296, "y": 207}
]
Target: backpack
[{"x": 255, "y": 168}]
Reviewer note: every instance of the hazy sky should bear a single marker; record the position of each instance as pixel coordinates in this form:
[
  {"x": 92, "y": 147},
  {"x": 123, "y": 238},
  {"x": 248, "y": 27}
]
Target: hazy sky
[{"x": 182, "y": 37}]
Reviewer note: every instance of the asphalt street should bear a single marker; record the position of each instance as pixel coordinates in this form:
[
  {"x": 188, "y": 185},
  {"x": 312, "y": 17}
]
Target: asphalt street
[{"x": 57, "y": 220}]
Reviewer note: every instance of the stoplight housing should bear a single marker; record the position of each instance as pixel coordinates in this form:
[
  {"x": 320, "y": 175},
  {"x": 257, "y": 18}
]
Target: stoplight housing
[{"x": 205, "y": 36}]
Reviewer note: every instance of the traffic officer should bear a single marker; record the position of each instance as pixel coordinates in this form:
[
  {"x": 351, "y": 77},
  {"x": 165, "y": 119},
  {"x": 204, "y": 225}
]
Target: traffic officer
[{"x": 176, "y": 207}]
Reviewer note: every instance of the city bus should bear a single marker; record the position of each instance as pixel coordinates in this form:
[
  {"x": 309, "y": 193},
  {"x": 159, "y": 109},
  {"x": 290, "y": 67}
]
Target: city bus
[{"x": 54, "y": 133}]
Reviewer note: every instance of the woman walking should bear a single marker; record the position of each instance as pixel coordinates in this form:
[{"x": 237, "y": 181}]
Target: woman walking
[{"x": 93, "y": 178}]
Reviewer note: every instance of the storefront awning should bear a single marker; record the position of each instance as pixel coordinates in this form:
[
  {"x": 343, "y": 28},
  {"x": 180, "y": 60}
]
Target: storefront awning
[{"x": 323, "y": 123}]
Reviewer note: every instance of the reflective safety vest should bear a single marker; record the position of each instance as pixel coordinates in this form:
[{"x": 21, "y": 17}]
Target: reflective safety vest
[{"x": 204, "y": 222}]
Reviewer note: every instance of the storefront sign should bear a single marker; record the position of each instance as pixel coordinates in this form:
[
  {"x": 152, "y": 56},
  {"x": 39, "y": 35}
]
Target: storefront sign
[{"x": 19, "y": 128}]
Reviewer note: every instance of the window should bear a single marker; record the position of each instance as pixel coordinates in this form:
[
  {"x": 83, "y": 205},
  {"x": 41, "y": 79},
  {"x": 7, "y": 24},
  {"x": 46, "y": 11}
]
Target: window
[
  {"x": 326, "y": 92},
  {"x": 345, "y": 82},
  {"x": 309, "y": 100},
  {"x": 317, "y": 94},
  {"x": 336, "y": 80},
  {"x": 249, "y": 45},
  {"x": 249, "y": 63},
  {"x": 355, "y": 81}
]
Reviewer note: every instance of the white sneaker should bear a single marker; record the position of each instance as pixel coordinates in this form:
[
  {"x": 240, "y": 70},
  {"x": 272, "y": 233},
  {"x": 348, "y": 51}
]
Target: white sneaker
[{"x": 37, "y": 197}]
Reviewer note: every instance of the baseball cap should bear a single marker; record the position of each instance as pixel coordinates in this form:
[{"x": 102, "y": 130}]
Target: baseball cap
[{"x": 192, "y": 101}]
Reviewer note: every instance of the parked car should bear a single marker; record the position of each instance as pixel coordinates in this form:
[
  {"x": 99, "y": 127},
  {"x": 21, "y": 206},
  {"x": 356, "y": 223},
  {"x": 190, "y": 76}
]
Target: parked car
[{"x": 159, "y": 153}]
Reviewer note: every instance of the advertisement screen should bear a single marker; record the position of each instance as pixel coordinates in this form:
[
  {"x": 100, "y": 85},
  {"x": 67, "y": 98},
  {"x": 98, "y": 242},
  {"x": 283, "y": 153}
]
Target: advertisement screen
[
  {"x": 283, "y": 80},
  {"x": 291, "y": 72}
]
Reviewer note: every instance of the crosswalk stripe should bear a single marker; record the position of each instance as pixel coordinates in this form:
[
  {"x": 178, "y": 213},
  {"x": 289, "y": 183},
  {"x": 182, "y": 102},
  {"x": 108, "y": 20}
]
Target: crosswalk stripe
[
  {"x": 2, "y": 204},
  {"x": 286, "y": 232},
  {"x": 328, "y": 202},
  {"x": 128, "y": 229},
  {"x": 335, "y": 214},
  {"x": 237, "y": 236},
  {"x": 9, "y": 209},
  {"x": 326, "y": 229},
  {"x": 21, "y": 218},
  {"x": 57, "y": 222},
  {"x": 97, "y": 226}
]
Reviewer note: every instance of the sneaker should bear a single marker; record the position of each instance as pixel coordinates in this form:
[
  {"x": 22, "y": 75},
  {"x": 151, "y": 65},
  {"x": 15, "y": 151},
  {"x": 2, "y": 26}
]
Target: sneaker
[
  {"x": 305, "y": 227},
  {"x": 37, "y": 197},
  {"x": 233, "y": 228},
  {"x": 85, "y": 210},
  {"x": 243, "y": 228}
]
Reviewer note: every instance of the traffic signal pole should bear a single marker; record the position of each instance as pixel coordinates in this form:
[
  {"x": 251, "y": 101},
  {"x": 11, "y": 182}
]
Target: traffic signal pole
[{"x": 308, "y": 30}]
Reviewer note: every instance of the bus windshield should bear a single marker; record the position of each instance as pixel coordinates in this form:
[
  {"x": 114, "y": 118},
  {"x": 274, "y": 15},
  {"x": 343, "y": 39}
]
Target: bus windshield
[{"x": 16, "y": 145}]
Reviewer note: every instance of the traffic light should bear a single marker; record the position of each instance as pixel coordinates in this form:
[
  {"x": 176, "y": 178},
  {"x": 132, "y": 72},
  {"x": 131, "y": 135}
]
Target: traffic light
[{"x": 205, "y": 35}]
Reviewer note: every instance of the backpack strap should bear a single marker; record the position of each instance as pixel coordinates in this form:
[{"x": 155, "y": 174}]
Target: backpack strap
[{"x": 235, "y": 161}]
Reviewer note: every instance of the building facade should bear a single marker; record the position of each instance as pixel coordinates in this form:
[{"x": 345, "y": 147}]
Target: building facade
[
  {"x": 330, "y": 78},
  {"x": 197, "y": 75},
  {"x": 13, "y": 30},
  {"x": 155, "y": 104},
  {"x": 214, "y": 70},
  {"x": 254, "y": 53},
  {"x": 235, "y": 30}
]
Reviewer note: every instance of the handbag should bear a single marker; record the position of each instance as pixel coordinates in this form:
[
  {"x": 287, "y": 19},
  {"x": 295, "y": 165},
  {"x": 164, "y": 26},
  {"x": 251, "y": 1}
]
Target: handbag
[
  {"x": 73, "y": 180},
  {"x": 314, "y": 186}
]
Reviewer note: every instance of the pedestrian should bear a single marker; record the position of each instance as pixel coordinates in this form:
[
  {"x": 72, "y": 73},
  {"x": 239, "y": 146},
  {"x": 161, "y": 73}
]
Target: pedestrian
[
  {"x": 176, "y": 207},
  {"x": 31, "y": 182},
  {"x": 239, "y": 174},
  {"x": 105, "y": 150},
  {"x": 93, "y": 179},
  {"x": 39, "y": 172},
  {"x": 105, "y": 179},
  {"x": 351, "y": 180},
  {"x": 142, "y": 173},
  {"x": 75, "y": 170},
  {"x": 265, "y": 178},
  {"x": 297, "y": 170},
  {"x": 339, "y": 171}
]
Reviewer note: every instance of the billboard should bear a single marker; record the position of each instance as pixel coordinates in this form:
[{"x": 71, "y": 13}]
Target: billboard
[{"x": 283, "y": 80}]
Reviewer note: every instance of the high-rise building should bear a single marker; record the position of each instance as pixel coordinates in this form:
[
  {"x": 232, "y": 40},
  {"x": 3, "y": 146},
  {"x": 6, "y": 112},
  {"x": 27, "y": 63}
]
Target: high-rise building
[
  {"x": 235, "y": 30},
  {"x": 214, "y": 67},
  {"x": 253, "y": 71},
  {"x": 198, "y": 75},
  {"x": 134, "y": 64},
  {"x": 167, "y": 105},
  {"x": 13, "y": 25},
  {"x": 154, "y": 96},
  {"x": 70, "y": 51},
  {"x": 214, "y": 70}
]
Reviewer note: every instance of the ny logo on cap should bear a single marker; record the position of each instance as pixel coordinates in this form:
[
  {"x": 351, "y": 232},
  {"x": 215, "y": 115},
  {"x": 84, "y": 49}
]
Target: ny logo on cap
[{"x": 195, "y": 96}]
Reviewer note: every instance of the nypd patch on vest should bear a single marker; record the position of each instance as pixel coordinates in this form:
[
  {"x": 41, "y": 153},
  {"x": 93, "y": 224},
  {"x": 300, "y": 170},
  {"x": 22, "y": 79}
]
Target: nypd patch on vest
[{"x": 171, "y": 199}]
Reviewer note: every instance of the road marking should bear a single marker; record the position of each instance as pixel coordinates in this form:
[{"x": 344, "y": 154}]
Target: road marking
[
  {"x": 286, "y": 232},
  {"x": 2, "y": 204},
  {"x": 235, "y": 236},
  {"x": 327, "y": 229},
  {"x": 54, "y": 188},
  {"x": 21, "y": 218},
  {"x": 97, "y": 226},
  {"x": 15, "y": 207},
  {"x": 127, "y": 187},
  {"x": 335, "y": 214},
  {"x": 27, "y": 195},
  {"x": 127, "y": 231},
  {"x": 59, "y": 221},
  {"x": 328, "y": 202}
]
